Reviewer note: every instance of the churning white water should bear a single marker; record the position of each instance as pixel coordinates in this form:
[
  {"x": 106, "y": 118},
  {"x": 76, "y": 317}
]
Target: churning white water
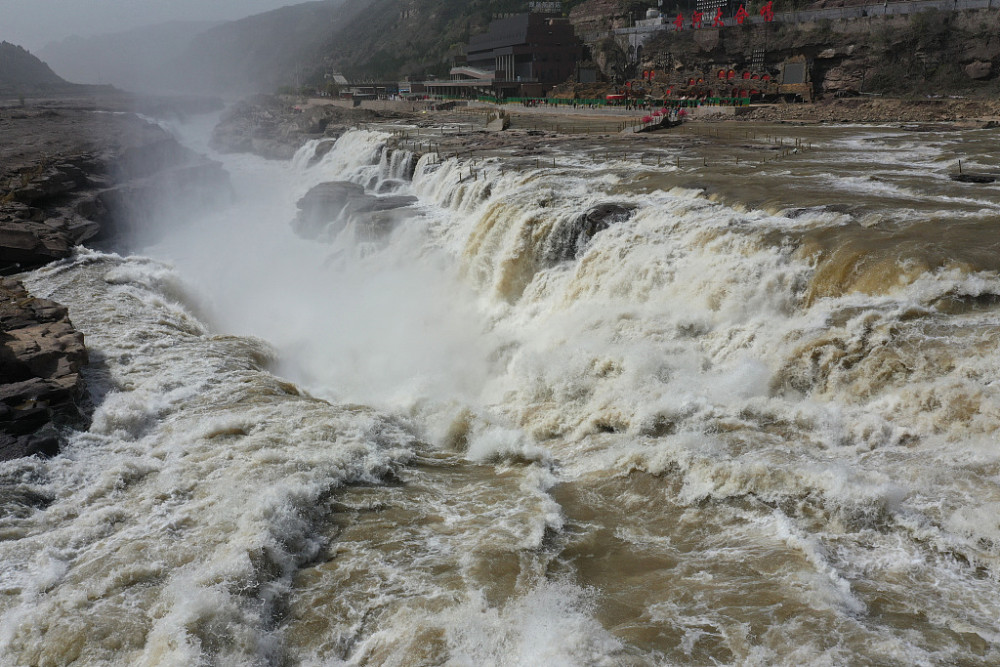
[{"x": 710, "y": 433}]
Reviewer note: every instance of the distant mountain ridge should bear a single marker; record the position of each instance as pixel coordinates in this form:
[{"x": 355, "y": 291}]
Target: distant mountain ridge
[
  {"x": 133, "y": 59},
  {"x": 263, "y": 51},
  {"x": 256, "y": 53},
  {"x": 22, "y": 72}
]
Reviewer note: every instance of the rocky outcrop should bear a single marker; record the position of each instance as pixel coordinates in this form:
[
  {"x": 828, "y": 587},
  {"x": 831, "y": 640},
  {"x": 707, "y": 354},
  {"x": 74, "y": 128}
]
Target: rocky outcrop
[
  {"x": 327, "y": 208},
  {"x": 40, "y": 359},
  {"x": 979, "y": 69},
  {"x": 924, "y": 53},
  {"x": 594, "y": 17},
  {"x": 569, "y": 239},
  {"x": 275, "y": 127},
  {"x": 68, "y": 176}
]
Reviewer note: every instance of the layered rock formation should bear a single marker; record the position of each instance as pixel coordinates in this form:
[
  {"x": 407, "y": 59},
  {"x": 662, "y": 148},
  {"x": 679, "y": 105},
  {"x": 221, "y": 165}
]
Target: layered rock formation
[
  {"x": 931, "y": 52},
  {"x": 69, "y": 175},
  {"x": 40, "y": 359}
]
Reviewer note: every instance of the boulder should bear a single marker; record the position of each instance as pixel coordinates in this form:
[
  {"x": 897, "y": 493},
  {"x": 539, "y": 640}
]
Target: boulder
[
  {"x": 569, "y": 239},
  {"x": 979, "y": 69},
  {"x": 842, "y": 79},
  {"x": 328, "y": 207}
]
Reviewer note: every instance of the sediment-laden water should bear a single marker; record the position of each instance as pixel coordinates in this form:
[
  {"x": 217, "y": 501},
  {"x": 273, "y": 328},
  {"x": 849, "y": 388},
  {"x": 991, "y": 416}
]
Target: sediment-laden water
[{"x": 752, "y": 422}]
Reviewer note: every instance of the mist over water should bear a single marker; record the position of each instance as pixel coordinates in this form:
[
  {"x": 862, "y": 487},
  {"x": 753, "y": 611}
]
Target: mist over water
[{"x": 713, "y": 433}]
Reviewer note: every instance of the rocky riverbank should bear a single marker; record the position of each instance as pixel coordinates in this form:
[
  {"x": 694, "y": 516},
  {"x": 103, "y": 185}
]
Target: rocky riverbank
[
  {"x": 880, "y": 110},
  {"x": 71, "y": 174},
  {"x": 275, "y": 126},
  {"x": 41, "y": 355}
]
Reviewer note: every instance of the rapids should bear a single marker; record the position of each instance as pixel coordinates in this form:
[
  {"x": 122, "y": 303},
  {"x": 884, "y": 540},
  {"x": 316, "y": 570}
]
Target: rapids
[{"x": 754, "y": 423}]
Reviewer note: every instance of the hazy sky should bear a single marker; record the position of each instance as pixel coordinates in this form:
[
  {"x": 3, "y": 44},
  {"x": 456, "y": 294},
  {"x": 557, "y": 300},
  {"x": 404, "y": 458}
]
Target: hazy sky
[{"x": 34, "y": 23}]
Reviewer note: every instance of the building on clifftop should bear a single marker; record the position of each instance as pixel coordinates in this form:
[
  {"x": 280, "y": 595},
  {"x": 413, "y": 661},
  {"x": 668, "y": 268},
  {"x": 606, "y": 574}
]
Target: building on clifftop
[{"x": 523, "y": 54}]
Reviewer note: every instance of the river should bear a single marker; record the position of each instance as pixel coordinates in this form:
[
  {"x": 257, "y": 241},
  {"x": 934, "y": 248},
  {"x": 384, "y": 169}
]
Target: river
[{"x": 754, "y": 423}]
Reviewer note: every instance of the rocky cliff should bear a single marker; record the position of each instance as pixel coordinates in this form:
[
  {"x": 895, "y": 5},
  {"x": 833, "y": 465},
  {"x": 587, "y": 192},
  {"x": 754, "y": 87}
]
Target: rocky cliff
[
  {"x": 40, "y": 359},
  {"x": 70, "y": 175},
  {"x": 927, "y": 53}
]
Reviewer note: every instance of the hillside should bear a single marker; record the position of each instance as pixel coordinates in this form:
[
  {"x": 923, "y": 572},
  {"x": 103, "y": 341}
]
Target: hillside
[
  {"x": 394, "y": 38},
  {"x": 263, "y": 51},
  {"x": 928, "y": 53},
  {"x": 257, "y": 53},
  {"x": 391, "y": 39},
  {"x": 21, "y": 72},
  {"x": 924, "y": 54}
]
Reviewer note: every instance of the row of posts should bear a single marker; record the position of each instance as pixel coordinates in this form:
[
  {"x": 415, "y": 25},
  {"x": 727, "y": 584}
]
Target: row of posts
[{"x": 787, "y": 146}]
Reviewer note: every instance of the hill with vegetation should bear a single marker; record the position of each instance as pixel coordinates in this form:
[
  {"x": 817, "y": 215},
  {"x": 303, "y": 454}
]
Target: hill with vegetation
[{"x": 21, "y": 72}]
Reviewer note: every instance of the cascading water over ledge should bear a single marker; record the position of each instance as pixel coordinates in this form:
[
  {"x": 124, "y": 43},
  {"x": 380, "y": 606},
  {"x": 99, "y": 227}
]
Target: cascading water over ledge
[{"x": 596, "y": 413}]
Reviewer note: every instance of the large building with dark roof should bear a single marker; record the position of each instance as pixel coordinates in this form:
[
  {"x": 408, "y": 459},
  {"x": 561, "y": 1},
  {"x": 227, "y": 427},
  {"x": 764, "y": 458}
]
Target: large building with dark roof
[
  {"x": 527, "y": 47},
  {"x": 520, "y": 54}
]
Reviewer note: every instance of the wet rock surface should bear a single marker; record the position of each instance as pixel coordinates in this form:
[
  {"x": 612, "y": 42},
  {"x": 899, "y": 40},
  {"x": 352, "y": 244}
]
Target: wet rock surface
[
  {"x": 275, "y": 127},
  {"x": 40, "y": 359},
  {"x": 72, "y": 173},
  {"x": 568, "y": 240},
  {"x": 69, "y": 175},
  {"x": 328, "y": 207}
]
